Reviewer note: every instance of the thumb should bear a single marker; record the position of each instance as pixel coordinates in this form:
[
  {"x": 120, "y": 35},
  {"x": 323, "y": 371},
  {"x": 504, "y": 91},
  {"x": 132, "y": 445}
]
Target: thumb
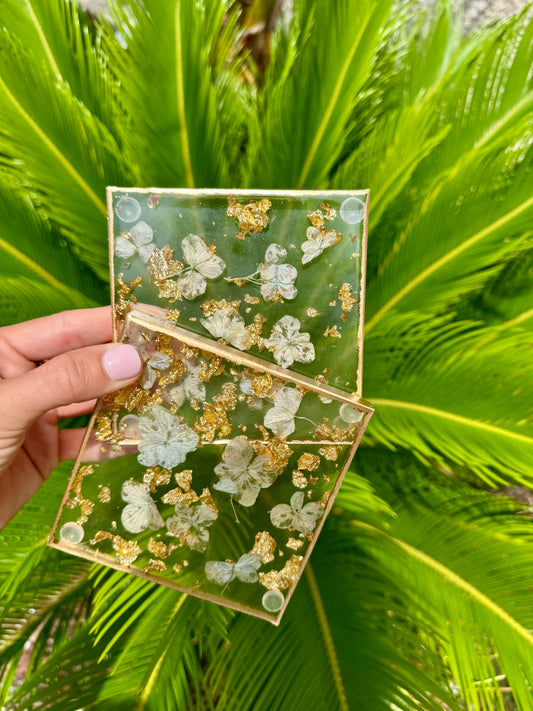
[{"x": 74, "y": 376}]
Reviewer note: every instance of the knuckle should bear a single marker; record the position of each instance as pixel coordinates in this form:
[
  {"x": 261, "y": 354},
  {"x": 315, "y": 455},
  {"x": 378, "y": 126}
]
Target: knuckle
[{"x": 71, "y": 377}]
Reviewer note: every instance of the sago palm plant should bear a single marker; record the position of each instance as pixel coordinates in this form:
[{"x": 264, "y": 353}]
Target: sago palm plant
[{"x": 419, "y": 592}]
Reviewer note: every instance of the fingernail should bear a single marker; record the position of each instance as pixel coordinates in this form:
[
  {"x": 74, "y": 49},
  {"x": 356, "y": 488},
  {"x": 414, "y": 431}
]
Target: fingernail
[{"x": 121, "y": 362}]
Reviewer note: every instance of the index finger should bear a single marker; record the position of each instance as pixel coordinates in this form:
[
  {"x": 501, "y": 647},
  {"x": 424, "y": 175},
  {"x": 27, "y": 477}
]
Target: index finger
[{"x": 49, "y": 336}]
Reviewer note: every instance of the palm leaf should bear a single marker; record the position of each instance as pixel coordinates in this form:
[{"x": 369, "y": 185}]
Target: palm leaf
[
  {"x": 305, "y": 131},
  {"x": 433, "y": 405}
]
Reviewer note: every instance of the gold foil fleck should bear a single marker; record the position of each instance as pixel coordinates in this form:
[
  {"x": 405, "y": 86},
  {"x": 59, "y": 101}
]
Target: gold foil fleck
[
  {"x": 177, "y": 369},
  {"x": 299, "y": 479},
  {"x": 333, "y": 303},
  {"x": 156, "y": 476},
  {"x": 188, "y": 351},
  {"x": 311, "y": 311},
  {"x": 294, "y": 543},
  {"x": 160, "y": 549},
  {"x": 332, "y": 332},
  {"x": 162, "y": 265},
  {"x": 251, "y": 299},
  {"x": 227, "y": 398},
  {"x": 256, "y": 329},
  {"x": 213, "y": 418},
  {"x": 184, "y": 479},
  {"x": 215, "y": 366},
  {"x": 104, "y": 429},
  {"x": 104, "y": 495},
  {"x": 251, "y": 217},
  {"x": 177, "y": 568},
  {"x": 173, "y": 315},
  {"x": 125, "y": 290},
  {"x": 337, "y": 434},
  {"x": 211, "y": 306},
  {"x": 284, "y": 578},
  {"x": 155, "y": 565},
  {"x": 348, "y": 301},
  {"x": 330, "y": 212},
  {"x": 86, "y": 505},
  {"x": 329, "y": 452},
  {"x": 177, "y": 496},
  {"x": 264, "y": 546},
  {"x": 325, "y": 498},
  {"x": 261, "y": 385},
  {"x": 277, "y": 450},
  {"x": 128, "y": 551},
  {"x": 309, "y": 462}
]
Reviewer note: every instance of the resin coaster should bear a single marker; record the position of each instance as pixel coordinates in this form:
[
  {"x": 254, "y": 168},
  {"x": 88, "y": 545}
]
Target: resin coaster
[
  {"x": 276, "y": 274},
  {"x": 214, "y": 472}
]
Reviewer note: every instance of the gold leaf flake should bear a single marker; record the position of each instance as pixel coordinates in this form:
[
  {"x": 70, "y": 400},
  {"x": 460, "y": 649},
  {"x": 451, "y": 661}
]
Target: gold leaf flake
[
  {"x": 264, "y": 546},
  {"x": 330, "y": 452},
  {"x": 160, "y": 549},
  {"x": 332, "y": 303},
  {"x": 156, "y": 476},
  {"x": 337, "y": 434},
  {"x": 155, "y": 565},
  {"x": 299, "y": 479},
  {"x": 173, "y": 315},
  {"x": 86, "y": 505},
  {"x": 277, "y": 450},
  {"x": 184, "y": 479},
  {"x": 227, "y": 398},
  {"x": 261, "y": 385},
  {"x": 104, "y": 429},
  {"x": 332, "y": 331},
  {"x": 105, "y": 494},
  {"x": 188, "y": 351},
  {"x": 177, "y": 568},
  {"x": 162, "y": 266},
  {"x": 251, "y": 217},
  {"x": 256, "y": 329},
  {"x": 284, "y": 578},
  {"x": 348, "y": 301},
  {"x": 325, "y": 498},
  {"x": 215, "y": 366},
  {"x": 330, "y": 212},
  {"x": 251, "y": 299},
  {"x": 128, "y": 551},
  {"x": 211, "y": 306},
  {"x": 125, "y": 290},
  {"x": 213, "y": 418},
  {"x": 294, "y": 543},
  {"x": 309, "y": 462},
  {"x": 311, "y": 311},
  {"x": 176, "y": 496}
]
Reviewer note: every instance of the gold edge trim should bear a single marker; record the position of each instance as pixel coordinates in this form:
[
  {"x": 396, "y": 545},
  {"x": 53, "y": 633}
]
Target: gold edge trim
[
  {"x": 362, "y": 298},
  {"x": 111, "y": 243},
  {"x": 77, "y": 464},
  {"x": 237, "y": 191},
  {"x": 197, "y": 341}
]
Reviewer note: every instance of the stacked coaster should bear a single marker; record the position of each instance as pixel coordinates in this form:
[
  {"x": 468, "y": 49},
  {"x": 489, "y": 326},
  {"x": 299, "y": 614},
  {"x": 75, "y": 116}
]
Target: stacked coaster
[{"x": 214, "y": 472}]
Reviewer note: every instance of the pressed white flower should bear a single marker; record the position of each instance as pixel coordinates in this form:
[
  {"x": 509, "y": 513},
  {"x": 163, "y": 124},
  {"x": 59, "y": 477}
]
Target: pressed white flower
[
  {"x": 277, "y": 279},
  {"x": 158, "y": 361},
  {"x": 229, "y": 327},
  {"x": 317, "y": 242},
  {"x": 141, "y": 242},
  {"x": 254, "y": 402},
  {"x": 141, "y": 512},
  {"x": 165, "y": 440},
  {"x": 240, "y": 476},
  {"x": 297, "y": 516},
  {"x": 223, "y": 572},
  {"x": 203, "y": 265},
  {"x": 280, "y": 418},
  {"x": 189, "y": 387},
  {"x": 190, "y": 523},
  {"x": 288, "y": 344}
]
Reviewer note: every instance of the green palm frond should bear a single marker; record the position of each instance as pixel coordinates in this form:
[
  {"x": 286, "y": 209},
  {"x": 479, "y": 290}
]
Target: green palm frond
[
  {"x": 306, "y": 131},
  {"x": 436, "y": 406},
  {"x": 470, "y": 576},
  {"x": 61, "y": 153},
  {"x": 177, "y": 139}
]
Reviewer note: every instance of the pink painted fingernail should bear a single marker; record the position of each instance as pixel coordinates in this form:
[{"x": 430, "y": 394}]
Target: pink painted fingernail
[{"x": 121, "y": 362}]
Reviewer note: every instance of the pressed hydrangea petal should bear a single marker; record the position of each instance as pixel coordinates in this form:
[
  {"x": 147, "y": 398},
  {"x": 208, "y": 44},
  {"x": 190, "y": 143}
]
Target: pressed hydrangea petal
[
  {"x": 282, "y": 516},
  {"x": 248, "y": 493},
  {"x": 247, "y": 566},
  {"x": 297, "y": 500},
  {"x": 219, "y": 572},
  {"x": 192, "y": 284},
  {"x": 141, "y": 233},
  {"x": 124, "y": 248}
]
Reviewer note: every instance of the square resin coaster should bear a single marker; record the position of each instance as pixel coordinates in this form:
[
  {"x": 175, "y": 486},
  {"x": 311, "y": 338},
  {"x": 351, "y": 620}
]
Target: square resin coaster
[
  {"x": 257, "y": 269},
  {"x": 213, "y": 473}
]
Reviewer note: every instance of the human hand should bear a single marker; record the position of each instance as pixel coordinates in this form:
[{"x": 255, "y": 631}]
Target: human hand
[{"x": 82, "y": 366}]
